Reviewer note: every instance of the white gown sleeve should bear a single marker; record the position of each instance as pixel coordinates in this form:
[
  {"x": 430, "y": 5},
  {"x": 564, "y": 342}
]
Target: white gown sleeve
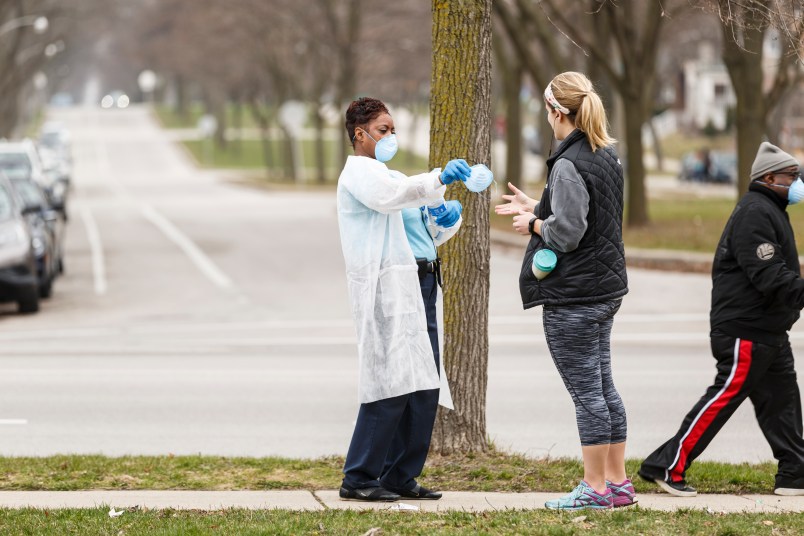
[{"x": 387, "y": 191}]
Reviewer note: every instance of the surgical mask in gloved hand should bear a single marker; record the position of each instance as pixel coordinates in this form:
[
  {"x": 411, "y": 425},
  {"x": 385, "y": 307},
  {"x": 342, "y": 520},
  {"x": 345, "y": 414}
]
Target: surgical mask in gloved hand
[
  {"x": 455, "y": 170},
  {"x": 795, "y": 192},
  {"x": 480, "y": 178}
]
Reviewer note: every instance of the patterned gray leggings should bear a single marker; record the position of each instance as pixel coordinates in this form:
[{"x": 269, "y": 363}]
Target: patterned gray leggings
[{"x": 579, "y": 339}]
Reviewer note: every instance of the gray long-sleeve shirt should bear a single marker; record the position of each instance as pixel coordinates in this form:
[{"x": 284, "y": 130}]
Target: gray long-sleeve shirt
[{"x": 569, "y": 200}]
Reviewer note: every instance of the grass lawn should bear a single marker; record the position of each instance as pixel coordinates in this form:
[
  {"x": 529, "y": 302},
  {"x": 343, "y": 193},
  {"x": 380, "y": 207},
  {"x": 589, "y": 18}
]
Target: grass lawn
[
  {"x": 278, "y": 522},
  {"x": 493, "y": 471}
]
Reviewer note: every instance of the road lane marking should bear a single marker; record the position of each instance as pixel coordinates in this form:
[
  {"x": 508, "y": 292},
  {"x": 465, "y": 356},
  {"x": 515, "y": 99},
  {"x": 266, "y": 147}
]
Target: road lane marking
[
  {"x": 13, "y": 422},
  {"x": 199, "y": 258},
  {"x": 96, "y": 247}
]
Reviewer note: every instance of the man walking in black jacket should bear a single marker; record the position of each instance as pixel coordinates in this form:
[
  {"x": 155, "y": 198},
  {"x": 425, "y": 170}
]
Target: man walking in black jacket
[{"x": 757, "y": 294}]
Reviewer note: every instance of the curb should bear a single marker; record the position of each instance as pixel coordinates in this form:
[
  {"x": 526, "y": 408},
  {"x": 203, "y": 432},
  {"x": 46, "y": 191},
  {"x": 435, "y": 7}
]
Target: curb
[{"x": 650, "y": 259}]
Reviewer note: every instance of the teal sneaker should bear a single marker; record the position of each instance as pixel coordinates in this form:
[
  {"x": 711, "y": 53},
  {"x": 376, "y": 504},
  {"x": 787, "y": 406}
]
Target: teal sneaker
[
  {"x": 581, "y": 498},
  {"x": 623, "y": 494}
]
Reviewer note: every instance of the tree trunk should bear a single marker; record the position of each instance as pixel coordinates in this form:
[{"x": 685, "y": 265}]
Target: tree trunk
[
  {"x": 289, "y": 155},
  {"x": 513, "y": 126},
  {"x": 512, "y": 72},
  {"x": 217, "y": 107},
  {"x": 635, "y": 166},
  {"x": 182, "y": 109},
  {"x": 460, "y": 115},
  {"x": 320, "y": 156},
  {"x": 744, "y": 63},
  {"x": 10, "y": 87},
  {"x": 657, "y": 146},
  {"x": 237, "y": 121},
  {"x": 265, "y": 141}
]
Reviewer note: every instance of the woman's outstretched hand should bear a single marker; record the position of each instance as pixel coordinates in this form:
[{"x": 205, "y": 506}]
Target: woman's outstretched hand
[
  {"x": 521, "y": 222},
  {"x": 517, "y": 202}
]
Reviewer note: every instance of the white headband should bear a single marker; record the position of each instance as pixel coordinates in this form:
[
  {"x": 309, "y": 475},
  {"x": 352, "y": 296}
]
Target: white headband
[{"x": 552, "y": 101}]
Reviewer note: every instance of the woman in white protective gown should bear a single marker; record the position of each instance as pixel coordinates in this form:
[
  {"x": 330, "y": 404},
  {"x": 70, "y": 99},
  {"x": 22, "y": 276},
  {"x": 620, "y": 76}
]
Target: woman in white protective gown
[{"x": 398, "y": 355}]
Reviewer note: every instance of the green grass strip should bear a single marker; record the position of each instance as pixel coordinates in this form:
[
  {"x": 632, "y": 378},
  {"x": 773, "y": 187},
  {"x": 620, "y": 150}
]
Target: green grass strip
[
  {"x": 493, "y": 471},
  {"x": 277, "y": 522}
]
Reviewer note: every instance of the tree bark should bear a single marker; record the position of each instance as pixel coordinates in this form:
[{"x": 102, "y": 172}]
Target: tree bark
[
  {"x": 320, "y": 155},
  {"x": 345, "y": 32},
  {"x": 460, "y": 115},
  {"x": 744, "y": 63},
  {"x": 513, "y": 125},
  {"x": 263, "y": 120},
  {"x": 512, "y": 72},
  {"x": 657, "y": 146},
  {"x": 635, "y": 169}
]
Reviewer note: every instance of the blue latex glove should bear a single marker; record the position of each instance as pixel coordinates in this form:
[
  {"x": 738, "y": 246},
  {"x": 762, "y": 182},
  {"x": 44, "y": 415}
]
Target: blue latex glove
[
  {"x": 451, "y": 215},
  {"x": 456, "y": 170}
]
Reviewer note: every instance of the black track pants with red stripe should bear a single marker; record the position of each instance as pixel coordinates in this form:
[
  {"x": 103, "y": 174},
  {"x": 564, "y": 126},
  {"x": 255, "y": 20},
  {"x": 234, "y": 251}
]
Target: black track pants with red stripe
[{"x": 745, "y": 369}]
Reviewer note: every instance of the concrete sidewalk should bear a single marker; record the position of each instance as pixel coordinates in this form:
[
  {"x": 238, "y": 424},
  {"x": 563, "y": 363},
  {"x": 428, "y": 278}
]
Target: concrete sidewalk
[{"x": 328, "y": 499}]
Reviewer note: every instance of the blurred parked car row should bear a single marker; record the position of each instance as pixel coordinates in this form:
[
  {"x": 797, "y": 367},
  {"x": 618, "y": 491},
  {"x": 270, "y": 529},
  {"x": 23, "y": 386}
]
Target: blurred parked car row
[
  {"x": 34, "y": 186},
  {"x": 709, "y": 166}
]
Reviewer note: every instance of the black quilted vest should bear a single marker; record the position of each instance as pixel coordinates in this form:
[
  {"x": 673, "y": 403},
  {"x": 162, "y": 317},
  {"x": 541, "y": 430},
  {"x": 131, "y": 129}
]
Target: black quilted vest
[{"x": 595, "y": 270}]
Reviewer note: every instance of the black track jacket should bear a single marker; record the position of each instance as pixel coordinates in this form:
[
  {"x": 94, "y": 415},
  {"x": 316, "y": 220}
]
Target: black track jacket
[{"x": 757, "y": 289}]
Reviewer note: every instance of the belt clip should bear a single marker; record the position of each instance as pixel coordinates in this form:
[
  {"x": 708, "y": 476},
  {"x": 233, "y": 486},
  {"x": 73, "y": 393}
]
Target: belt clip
[{"x": 437, "y": 270}]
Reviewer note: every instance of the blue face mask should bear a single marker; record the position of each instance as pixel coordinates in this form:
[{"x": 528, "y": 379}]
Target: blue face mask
[
  {"x": 795, "y": 192},
  {"x": 386, "y": 148}
]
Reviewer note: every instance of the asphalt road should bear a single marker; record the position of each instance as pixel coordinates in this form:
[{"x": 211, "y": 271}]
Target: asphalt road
[{"x": 200, "y": 316}]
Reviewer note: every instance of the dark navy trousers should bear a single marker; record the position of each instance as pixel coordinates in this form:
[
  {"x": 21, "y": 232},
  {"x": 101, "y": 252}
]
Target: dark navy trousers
[{"x": 392, "y": 436}]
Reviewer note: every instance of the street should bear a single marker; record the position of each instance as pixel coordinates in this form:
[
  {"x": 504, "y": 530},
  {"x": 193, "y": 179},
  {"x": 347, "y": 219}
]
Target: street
[{"x": 201, "y": 316}]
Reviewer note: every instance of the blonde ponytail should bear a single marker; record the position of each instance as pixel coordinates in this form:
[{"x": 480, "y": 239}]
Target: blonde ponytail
[{"x": 575, "y": 92}]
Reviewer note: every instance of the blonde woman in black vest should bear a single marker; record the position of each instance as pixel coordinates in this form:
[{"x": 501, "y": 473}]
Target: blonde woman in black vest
[{"x": 579, "y": 219}]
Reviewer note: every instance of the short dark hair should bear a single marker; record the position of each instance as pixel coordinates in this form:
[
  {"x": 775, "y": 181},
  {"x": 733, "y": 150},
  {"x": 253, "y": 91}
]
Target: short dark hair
[{"x": 361, "y": 112}]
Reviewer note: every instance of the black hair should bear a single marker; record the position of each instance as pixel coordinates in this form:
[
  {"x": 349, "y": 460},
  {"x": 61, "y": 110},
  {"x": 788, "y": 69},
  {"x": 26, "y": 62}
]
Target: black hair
[{"x": 360, "y": 112}]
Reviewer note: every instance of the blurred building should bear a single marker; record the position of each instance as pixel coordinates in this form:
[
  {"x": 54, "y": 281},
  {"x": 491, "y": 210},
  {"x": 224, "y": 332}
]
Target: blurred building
[{"x": 706, "y": 90}]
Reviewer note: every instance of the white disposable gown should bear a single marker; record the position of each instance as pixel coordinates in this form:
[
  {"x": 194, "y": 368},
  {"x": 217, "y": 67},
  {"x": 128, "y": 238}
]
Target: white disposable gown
[{"x": 395, "y": 356}]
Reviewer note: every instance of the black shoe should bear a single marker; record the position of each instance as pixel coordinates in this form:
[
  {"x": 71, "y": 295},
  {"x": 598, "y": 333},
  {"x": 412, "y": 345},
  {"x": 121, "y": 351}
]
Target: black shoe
[
  {"x": 368, "y": 494},
  {"x": 679, "y": 489},
  {"x": 418, "y": 492},
  {"x": 789, "y": 486}
]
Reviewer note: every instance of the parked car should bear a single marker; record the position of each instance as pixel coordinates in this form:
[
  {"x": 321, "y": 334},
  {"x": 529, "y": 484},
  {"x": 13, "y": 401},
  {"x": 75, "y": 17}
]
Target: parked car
[
  {"x": 61, "y": 100},
  {"x": 709, "y": 166},
  {"x": 58, "y": 172},
  {"x": 46, "y": 224},
  {"x": 22, "y": 159},
  {"x": 18, "y": 276},
  {"x": 56, "y": 138}
]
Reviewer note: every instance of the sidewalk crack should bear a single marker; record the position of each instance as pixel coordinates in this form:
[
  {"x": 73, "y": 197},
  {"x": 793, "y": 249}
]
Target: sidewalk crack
[{"x": 317, "y": 498}]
